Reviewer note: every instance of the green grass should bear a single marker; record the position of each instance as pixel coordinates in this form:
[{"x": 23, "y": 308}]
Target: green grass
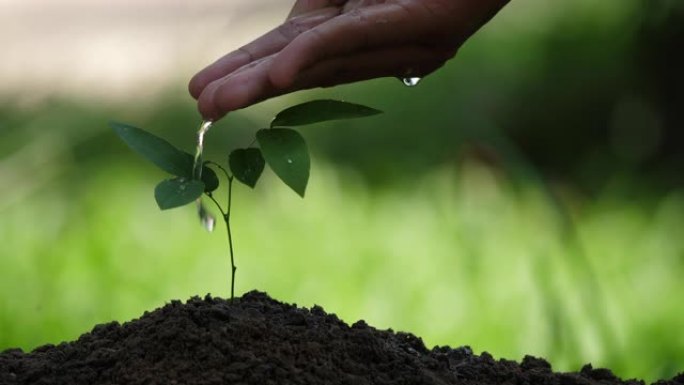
[{"x": 456, "y": 257}]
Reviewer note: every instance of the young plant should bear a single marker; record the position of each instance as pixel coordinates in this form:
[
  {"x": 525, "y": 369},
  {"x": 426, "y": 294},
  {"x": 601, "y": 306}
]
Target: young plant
[{"x": 279, "y": 146}]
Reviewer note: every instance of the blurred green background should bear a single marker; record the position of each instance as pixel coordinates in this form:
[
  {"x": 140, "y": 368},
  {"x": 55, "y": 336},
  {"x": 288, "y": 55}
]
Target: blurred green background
[{"x": 526, "y": 199}]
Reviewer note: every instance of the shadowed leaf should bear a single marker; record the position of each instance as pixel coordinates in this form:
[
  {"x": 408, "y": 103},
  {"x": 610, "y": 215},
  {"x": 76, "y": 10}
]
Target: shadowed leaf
[
  {"x": 247, "y": 165},
  {"x": 209, "y": 178},
  {"x": 317, "y": 111},
  {"x": 286, "y": 152},
  {"x": 177, "y": 192}
]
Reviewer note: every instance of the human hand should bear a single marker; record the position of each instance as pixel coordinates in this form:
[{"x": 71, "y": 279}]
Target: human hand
[{"x": 324, "y": 43}]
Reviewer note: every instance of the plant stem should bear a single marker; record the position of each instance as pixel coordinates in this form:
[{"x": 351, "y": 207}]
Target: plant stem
[
  {"x": 228, "y": 176},
  {"x": 218, "y": 206},
  {"x": 226, "y": 218}
]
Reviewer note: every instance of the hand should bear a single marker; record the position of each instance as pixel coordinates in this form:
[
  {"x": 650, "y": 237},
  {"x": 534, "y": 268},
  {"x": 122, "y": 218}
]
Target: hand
[{"x": 329, "y": 42}]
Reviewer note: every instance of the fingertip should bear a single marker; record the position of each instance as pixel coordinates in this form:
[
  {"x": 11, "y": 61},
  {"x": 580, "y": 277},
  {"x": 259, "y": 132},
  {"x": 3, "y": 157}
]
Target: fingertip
[
  {"x": 206, "y": 104},
  {"x": 237, "y": 91},
  {"x": 221, "y": 97},
  {"x": 208, "y": 112},
  {"x": 197, "y": 84}
]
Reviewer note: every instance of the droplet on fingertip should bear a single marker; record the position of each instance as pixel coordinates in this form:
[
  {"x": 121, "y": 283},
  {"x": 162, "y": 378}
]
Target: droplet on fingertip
[{"x": 411, "y": 82}]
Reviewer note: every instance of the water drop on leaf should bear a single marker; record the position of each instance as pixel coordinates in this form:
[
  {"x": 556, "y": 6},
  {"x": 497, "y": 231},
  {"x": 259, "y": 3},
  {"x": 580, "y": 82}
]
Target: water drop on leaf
[
  {"x": 285, "y": 151},
  {"x": 177, "y": 192}
]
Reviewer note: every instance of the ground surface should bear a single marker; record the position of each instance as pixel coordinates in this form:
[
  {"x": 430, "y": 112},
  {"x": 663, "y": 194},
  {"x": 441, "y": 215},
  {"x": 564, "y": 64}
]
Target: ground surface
[{"x": 257, "y": 340}]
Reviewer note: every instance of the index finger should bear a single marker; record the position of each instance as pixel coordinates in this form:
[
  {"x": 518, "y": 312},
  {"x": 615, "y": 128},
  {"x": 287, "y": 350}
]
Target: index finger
[{"x": 268, "y": 44}]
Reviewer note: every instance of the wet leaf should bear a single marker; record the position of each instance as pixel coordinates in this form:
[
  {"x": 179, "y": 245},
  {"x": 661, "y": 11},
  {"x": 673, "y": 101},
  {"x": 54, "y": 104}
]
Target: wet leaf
[
  {"x": 286, "y": 153},
  {"x": 177, "y": 192},
  {"x": 247, "y": 165},
  {"x": 163, "y": 154},
  {"x": 317, "y": 111}
]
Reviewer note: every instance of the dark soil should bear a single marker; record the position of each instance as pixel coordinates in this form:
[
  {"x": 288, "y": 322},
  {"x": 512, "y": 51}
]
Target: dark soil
[{"x": 256, "y": 340}]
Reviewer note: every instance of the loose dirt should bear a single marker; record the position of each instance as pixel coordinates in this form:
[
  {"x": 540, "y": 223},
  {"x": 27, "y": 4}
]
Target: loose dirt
[{"x": 257, "y": 340}]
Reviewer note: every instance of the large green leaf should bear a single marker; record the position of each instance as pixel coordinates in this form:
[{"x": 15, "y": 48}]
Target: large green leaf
[
  {"x": 163, "y": 154},
  {"x": 320, "y": 111},
  {"x": 155, "y": 149},
  {"x": 177, "y": 192},
  {"x": 286, "y": 152},
  {"x": 247, "y": 165}
]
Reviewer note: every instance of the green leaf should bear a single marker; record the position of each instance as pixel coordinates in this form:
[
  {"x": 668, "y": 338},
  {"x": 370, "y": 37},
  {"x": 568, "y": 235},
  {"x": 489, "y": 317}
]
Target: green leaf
[
  {"x": 155, "y": 149},
  {"x": 247, "y": 165},
  {"x": 317, "y": 111},
  {"x": 177, "y": 192},
  {"x": 285, "y": 151},
  {"x": 163, "y": 154}
]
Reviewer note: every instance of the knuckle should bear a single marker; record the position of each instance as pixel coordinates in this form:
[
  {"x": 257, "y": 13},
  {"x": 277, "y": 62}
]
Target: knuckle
[
  {"x": 292, "y": 28},
  {"x": 245, "y": 51}
]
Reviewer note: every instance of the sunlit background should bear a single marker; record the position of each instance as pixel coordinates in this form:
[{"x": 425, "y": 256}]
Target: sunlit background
[{"x": 527, "y": 199}]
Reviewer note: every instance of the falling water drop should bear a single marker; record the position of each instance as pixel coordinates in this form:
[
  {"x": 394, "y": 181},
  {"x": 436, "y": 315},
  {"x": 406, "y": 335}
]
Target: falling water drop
[
  {"x": 289, "y": 161},
  {"x": 207, "y": 220},
  {"x": 411, "y": 82}
]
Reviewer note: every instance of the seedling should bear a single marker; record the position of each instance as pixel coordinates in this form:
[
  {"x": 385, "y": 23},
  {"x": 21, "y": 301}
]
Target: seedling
[{"x": 279, "y": 146}]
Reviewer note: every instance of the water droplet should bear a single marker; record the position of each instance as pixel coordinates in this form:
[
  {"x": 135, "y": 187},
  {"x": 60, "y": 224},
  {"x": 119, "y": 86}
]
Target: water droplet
[
  {"x": 207, "y": 220},
  {"x": 411, "y": 82},
  {"x": 289, "y": 161}
]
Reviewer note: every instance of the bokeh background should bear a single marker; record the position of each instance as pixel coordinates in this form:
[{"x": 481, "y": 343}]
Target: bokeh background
[{"x": 527, "y": 199}]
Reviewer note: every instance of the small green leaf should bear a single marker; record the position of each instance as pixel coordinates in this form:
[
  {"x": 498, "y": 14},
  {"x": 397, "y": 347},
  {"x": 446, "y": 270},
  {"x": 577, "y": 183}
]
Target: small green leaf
[
  {"x": 163, "y": 154},
  {"x": 317, "y": 111},
  {"x": 247, "y": 165},
  {"x": 177, "y": 192},
  {"x": 210, "y": 180},
  {"x": 286, "y": 152}
]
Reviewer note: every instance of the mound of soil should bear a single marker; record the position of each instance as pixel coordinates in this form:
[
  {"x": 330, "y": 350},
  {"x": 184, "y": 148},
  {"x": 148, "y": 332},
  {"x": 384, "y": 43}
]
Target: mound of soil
[{"x": 256, "y": 340}]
